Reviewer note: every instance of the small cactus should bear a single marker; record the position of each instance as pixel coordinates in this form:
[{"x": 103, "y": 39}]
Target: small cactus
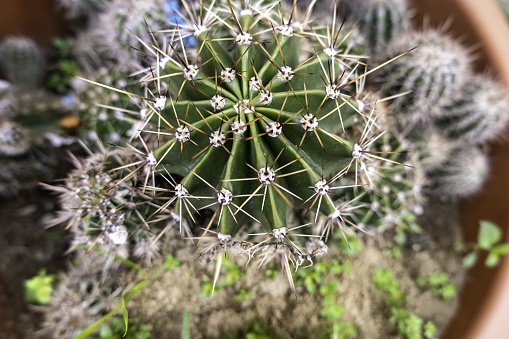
[
  {"x": 463, "y": 174},
  {"x": 432, "y": 76},
  {"x": 14, "y": 139},
  {"x": 22, "y": 62},
  {"x": 480, "y": 116},
  {"x": 82, "y": 8},
  {"x": 111, "y": 34},
  {"x": 381, "y": 21}
]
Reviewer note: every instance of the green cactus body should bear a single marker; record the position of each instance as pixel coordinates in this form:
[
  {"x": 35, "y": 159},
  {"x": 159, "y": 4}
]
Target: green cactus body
[
  {"x": 380, "y": 20},
  {"x": 253, "y": 112},
  {"x": 109, "y": 116},
  {"x": 22, "y": 62},
  {"x": 279, "y": 102},
  {"x": 432, "y": 76},
  {"x": 480, "y": 116}
]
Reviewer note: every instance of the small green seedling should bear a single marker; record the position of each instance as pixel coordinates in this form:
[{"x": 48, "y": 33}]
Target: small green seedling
[
  {"x": 38, "y": 289},
  {"x": 171, "y": 262},
  {"x": 438, "y": 283},
  {"x": 408, "y": 324},
  {"x": 488, "y": 240},
  {"x": 116, "y": 330}
]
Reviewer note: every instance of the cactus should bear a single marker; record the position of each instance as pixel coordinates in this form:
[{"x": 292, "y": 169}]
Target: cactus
[
  {"x": 29, "y": 118},
  {"x": 446, "y": 112},
  {"x": 480, "y": 115},
  {"x": 111, "y": 35},
  {"x": 109, "y": 116},
  {"x": 13, "y": 139},
  {"x": 381, "y": 21},
  {"x": 432, "y": 77},
  {"x": 248, "y": 110},
  {"x": 462, "y": 174},
  {"x": 22, "y": 62},
  {"x": 75, "y": 9}
]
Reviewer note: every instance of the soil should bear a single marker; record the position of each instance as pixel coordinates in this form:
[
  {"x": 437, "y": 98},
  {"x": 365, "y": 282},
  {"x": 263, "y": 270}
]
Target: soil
[
  {"x": 26, "y": 247},
  {"x": 272, "y": 303}
]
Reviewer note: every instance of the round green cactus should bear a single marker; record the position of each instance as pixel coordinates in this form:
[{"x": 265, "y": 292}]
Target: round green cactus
[
  {"x": 381, "y": 21},
  {"x": 22, "y": 62},
  {"x": 432, "y": 77},
  {"x": 252, "y": 112},
  {"x": 480, "y": 116}
]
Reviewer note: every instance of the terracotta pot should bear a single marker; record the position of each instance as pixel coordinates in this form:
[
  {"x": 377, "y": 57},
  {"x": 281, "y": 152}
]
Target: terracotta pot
[
  {"x": 41, "y": 20},
  {"x": 484, "y": 306}
]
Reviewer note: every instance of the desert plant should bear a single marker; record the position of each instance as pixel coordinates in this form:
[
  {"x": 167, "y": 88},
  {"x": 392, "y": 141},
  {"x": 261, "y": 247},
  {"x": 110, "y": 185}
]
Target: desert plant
[
  {"x": 22, "y": 62},
  {"x": 31, "y": 119},
  {"x": 489, "y": 239},
  {"x": 262, "y": 114}
]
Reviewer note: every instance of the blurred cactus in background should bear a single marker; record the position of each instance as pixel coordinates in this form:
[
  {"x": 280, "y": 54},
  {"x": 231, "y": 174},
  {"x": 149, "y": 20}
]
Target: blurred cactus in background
[
  {"x": 22, "y": 62},
  {"x": 31, "y": 125},
  {"x": 381, "y": 21}
]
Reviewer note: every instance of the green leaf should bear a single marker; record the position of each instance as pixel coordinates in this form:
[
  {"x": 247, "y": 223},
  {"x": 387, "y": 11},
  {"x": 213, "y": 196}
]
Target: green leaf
[
  {"x": 91, "y": 329},
  {"x": 38, "y": 289},
  {"x": 124, "y": 311},
  {"x": 470, "y": 260},
  {"x": 105, "y": 332},
  {"x": 501, "y": 249},
  {"x": 492, "y": 260},
  {"x": 430, "y": 330},
  {"x": 489, "y": 235},
  {"x": 171, "y": 262},
  {"x": 186, "y": 325}
]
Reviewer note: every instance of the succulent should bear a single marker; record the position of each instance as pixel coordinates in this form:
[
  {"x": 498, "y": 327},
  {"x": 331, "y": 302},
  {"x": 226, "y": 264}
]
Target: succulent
[
  {"x": 22, "y": 62},
  {"x": 110, "y": 38},
  {"x": 31, "y": 119},
  {"x": 107, "y": 115},
  {"x": 250, "y": 111},
  {"x": 14, "y": 139},
  {"x": 481, "y": 115},
  {"x": 381, "y": 21},
  {"x": 463, "y": 174},
  {"x": 443, "y": 111},
  {"x": 432, "y": 76},
  {"x": 78, "y": 8}
]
